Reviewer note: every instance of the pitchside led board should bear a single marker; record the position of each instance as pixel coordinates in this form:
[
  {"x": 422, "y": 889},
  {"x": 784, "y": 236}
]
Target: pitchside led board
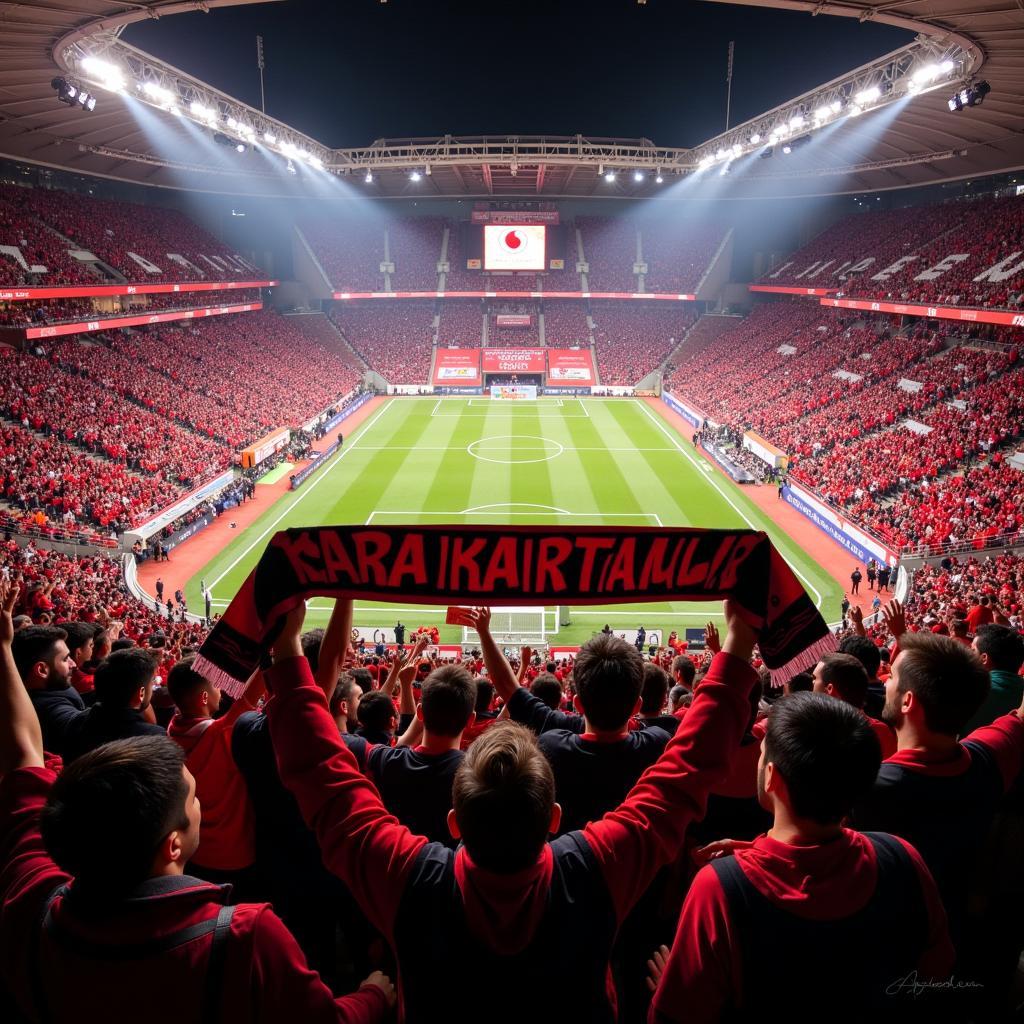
[{"x": 514, "y": 247}]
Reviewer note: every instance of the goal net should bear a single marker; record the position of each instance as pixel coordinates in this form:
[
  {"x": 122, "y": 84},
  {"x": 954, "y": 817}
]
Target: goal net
[{"x": 516, "y": 626}]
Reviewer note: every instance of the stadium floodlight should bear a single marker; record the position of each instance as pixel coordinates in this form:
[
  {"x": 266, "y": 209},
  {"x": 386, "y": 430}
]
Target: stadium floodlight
[
  {"x": 638, "y": 175},
  {"x": 291, "y": 168},
  {"x": 721, "y": 154},
  {"x": 369, "y": 178},
  {"x": 240, "y": 147},
  {"x": 415, "y": 176},
  {"x": 66, "y": 92},
  {"x": 855, "y": 110},
  {"x": 796, "y": 121},
  {"x": 202, "y": 112},
  {"x": 707, "y": 161},
  {"x": 659, "y": 179},
  {"x": 972, "y": 96},
  {"x": 755, "y": 138},
  {"x": 90, "y": 104},
  {"x": 159, "y": 94},
  {"x": 787, "y": 149},
  {"x": 108, "y": 75},
  {"x": 269, "y": 138},
  {"x": 317, "y": 162},
  {"x": 867, "y": 96},
  {"x": 822, "y": 114},
  {"x": 609, "y": 176}
]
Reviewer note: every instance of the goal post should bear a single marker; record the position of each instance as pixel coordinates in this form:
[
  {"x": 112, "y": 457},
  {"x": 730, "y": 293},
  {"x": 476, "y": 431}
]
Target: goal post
[{"x": 517, "y": 626}]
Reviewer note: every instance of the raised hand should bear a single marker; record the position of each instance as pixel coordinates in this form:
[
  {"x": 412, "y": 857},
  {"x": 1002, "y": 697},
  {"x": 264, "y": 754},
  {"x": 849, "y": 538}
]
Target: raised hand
[
  {"x": 9, "y": 593},
  {"x": 480, "y": 619},
  {"x": 856, "y": 615},
  {"x": 712, "y": 640},
  {"x": 380, "y": 980},
  {"x": 895, "y": 618},
  {"x": 656, "y": 967},
  {"x": 289, "y": 641},
  {"x": 740, "y": 639}
]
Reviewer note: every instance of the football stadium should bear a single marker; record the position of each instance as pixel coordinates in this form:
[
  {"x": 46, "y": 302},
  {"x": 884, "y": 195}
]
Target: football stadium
[{"x": 450, "y": 535}]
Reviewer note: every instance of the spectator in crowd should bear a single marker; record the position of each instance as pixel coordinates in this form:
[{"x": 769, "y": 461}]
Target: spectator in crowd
[
  {"x": 1001, "y": 650},
  {"x": 653, "y": 699},
  {"x": 843, "y": 676},
  {"x": 44, "y": 663}
]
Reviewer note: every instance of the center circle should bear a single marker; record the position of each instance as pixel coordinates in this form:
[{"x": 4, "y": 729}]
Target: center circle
[{"x": 541, "y": 449}]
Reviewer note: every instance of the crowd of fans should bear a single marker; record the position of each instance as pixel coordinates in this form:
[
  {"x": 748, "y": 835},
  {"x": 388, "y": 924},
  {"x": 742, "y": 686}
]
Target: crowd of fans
[
  {"x": 945, "y": 248},
  {"x": 678, "y": 254},
  {"x": 610, "y": 249},
  {"x": 115, "y": 231},
  {"x": 525, "y": 336},
  {"x": 632, "y": 339},
  {"x": 414, "y": 247},
  {"x": 396, "y": 339},
  {"x": 461, "y": 323},
  {"x": 565, "y": 324}
]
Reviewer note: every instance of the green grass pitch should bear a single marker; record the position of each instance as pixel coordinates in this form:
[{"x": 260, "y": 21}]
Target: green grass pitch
[{"x": 478, "y": 460}]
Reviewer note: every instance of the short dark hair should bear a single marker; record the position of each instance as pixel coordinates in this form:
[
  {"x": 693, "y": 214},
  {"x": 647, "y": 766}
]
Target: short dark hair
[
  {"x": 311, "y": 642},
  {"x": 547, "y": 688},
  {"x": 123, "y": 643},
  {"x": 132, "y": 793},
  {"x": 848, "y": 675},
  {"x": 946, "y": 676},
  {"x": 449, "y": 698},
  {"x": 676, "y": 695},
  {"x": 683, "y": 665},
  {"x": 376, "y": 710},
  {"x": 503, "y": 795},
  {"x": 362, "y": 678},
  {"x": 1004, "y": 646},
  {"x": 825, "y": 750},
  {"x": 79, "y": 633},
  {"x": 121, "y": 675},
  {"x": 802, "y": 682},
  {"x": 865, "y": 651},
  {"x": 654, "y": 690},
  {"x": 183, "y": 680},
  {"x": 484, "y": 694},
  {"x": 609, "y": 674},
  {"x": 34, "y": 644}
]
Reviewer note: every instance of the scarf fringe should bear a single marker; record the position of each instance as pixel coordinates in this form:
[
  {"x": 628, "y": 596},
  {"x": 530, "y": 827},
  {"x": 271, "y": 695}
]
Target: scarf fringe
[
  {"x": 805, "y": 660},
  {"x": 233, "y": 687}
]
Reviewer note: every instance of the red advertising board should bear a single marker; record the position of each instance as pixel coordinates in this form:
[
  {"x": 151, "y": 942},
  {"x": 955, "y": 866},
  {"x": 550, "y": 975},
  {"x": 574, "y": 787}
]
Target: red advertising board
[
  {"x": 776, "y": 289},
  {"x": 513, "y": 320},
  {"x": 509, "y": 293},
  {"x": 457, "y": 367},
  {"x": 570, "y": 368},
  {"x": 57, "y": 330},
  {"x": 974, "y": 316},
  {"x": 101, "y": 290},
  {"x": 513, "y": 360}
]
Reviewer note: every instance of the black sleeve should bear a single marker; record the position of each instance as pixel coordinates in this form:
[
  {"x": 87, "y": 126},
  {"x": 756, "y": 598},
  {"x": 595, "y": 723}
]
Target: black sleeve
[
  {"x": 404, "y": 721},
  {"x": 531, "y": 711}
]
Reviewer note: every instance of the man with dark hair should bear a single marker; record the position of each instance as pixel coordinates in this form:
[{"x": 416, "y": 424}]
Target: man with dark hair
[
  {"x": 228, "y": 849},
  {"x": 546, "y": 687},
  {"x": 866, "y": 652},
  {"x": 1002, "y": 653},
  {"x": 378, "y": 719},
  {"x": 80, "y": 641},
  {"x": 822, "y": 892},
  {"x": 344, "y": 702},
  {"x": 936, "y": 792},
  {"x": 595, "y": 767},
  {"x": 855, "y": 578},
  {"x": 653, "y": 698},
  {"x": 98, "y": 913},
  {"x": 843, "y": 676},
  {"x": 678, "y": 697},
  {"x": 506, "y": 900},
  {"x": 485, "y": 717},
  {"x": 683, "y": 671},
  {"x": 415, "y": 783},
  {"x": 44, "y": 663},
  {"x": 124, "y": 686},
  {"x": 980, "y": 613}
]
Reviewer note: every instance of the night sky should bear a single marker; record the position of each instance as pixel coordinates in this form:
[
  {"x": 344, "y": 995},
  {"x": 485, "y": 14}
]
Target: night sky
[{"x": 351, "y": 71}]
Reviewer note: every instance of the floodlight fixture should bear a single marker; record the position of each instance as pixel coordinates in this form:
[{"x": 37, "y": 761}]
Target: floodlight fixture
[
  {"x": 270, "y": 138},
  {"x": 609, "y": 176},
  {"x": 797, "y": 121},
  {"x": 755, "y": 138},
  {"x": 204, "y": 113},
  {"x": 868, "y": 96},
  {"x": 659, "y": 179},
  {"x": 415, "y": 176},
  {"x": 638, "y": 175},
  {"x": 369, "y": 178},
  {"x": 787, "y": 149},
  {"x": 240, "y": 147},
  {"x": 108, "y": 75}
]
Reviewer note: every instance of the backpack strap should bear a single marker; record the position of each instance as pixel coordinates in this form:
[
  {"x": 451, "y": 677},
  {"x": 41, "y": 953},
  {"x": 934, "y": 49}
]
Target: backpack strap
[{"x": 213, "y": 984}]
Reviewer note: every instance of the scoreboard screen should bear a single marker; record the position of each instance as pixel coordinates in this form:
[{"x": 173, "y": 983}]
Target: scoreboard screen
[{"x": 514, "y": 247}]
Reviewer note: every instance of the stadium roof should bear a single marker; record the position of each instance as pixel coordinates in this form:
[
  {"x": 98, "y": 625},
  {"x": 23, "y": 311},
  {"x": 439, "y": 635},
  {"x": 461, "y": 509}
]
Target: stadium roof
[{"x": 150, "y": 131}]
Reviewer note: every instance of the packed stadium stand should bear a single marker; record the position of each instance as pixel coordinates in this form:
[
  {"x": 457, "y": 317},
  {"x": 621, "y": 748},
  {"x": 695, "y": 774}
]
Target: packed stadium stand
[
  {"x": 631, "y": 339},
  {"x": 965, "y": 252},
  {"x": 414, "y": 247},
  {"x": 395, "y": 339},
  {"x": 348, "y": 250},
  {"x": 141, "y": 243},
  {"x": 522, "y": 336},
  {"x": 610, "y": 249},
  {"x": 461, "y": 324},
  {"x": 565, "y": 324},
  {"x": 678, "y": 254}
]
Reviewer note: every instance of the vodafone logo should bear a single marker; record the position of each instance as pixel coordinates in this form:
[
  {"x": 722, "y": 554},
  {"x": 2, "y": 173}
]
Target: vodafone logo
[{"x": 513, "y": 241}]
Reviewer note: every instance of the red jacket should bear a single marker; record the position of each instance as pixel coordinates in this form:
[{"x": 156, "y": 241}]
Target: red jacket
[
  {"x": 822, "y": 883},
  {"x": 265, "y": 977}
]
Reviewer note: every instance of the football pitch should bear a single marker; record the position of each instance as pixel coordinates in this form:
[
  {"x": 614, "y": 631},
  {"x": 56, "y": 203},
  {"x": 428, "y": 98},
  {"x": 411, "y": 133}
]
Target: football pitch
[{"x": 553, "y": 461}]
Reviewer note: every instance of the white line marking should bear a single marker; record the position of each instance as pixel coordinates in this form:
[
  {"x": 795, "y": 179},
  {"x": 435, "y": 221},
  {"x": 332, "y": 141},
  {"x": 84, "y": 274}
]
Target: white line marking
[
  {"x": 436, "y": 407},
  {"x": 574, "y": 515},
  {"x": 305, "y": 491},
  {"x": 516, "y": 504},
  {"x": 448, "y": 447},
  {"x": 714, "y": 483}
]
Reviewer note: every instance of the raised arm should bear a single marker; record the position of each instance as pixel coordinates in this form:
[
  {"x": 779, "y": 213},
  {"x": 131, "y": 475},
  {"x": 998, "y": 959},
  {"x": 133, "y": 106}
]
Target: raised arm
[
  {"x": 498, "y": 669},
  {"x": 360, "y": 841},
  {"x": 250, "y": 697},
  {"x": 647, "y": 829},
  {"x": 333, "y": 646},
  {"x": 21, "y": 737}
]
